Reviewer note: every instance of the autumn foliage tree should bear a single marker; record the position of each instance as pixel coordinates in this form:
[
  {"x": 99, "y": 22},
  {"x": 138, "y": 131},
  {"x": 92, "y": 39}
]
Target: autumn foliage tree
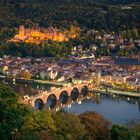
[
  {"x": 97, "y": 127},
  {"x": 27, "y": 75},
  {"x": 69, "y": 126}
]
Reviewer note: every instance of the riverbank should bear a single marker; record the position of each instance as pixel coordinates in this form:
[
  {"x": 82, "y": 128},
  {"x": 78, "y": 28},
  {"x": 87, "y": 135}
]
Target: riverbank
[
  {"x": 117, "y": 92},
  {"x": 31, "y": 81}
]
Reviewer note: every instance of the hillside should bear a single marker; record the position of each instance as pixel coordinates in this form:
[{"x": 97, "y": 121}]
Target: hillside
[
  {"x": 100, "y": 14},
  {"x": 106, "y": 16}
]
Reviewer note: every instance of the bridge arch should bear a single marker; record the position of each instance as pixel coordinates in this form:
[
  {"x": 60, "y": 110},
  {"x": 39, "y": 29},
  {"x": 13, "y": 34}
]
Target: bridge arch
[
  {"x": 38, "y": 103},
  {"x": 75, "y": 93},
  {"x": 84, "y": 90},
  {"x": 51, "y": 101},
  {"x": 63, "y": 97}
]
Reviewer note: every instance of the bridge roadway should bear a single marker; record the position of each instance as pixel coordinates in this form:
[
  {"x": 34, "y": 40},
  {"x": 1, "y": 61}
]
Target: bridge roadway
[
  {"x": 111, "y": 91},
  {"x": 56, "y": 92}
]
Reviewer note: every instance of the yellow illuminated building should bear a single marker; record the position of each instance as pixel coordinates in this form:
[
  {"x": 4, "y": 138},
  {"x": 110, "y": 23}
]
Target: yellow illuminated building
[{"x": 39, "y": 35}]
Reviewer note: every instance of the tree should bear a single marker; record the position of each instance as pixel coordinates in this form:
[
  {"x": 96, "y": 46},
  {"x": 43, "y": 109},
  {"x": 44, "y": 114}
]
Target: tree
[
  {"x": 120, "y": 133},
  {"x": 74, "y": 30},
  {"x": 11, "y": 113},
  {"x": 37, "y": 122},
  {"x": 128, "y": 34},
  {"x": 29, "y": 137},
  {"x": 69, "y": 126},
  {"x": 43, "y": 135},
  {"x": 27, "y": 75},
  {"x": 135, "y": 129},
  {"x": 135, "y": 33},
  {"x": 8, "y": 98},
  {"x": 96, "y": 126}
]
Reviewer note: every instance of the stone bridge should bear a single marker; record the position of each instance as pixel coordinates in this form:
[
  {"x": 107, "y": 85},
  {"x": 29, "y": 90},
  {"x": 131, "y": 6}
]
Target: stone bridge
[{"x": 57, "y": 93}]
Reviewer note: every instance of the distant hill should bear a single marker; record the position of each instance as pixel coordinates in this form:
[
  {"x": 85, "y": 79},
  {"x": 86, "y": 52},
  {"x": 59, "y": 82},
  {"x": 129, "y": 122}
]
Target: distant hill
[{"x": 100, "y": 14}]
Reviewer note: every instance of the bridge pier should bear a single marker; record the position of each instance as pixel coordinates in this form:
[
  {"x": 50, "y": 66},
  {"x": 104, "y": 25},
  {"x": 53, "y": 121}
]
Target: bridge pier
[
  {"x": 31, "y": 103},
  {"x": 44, "y": 107},
  {"x": 80, "y": 96},
  {"x": 69, "y": 101},
  {"x": 58, "y": 104}
]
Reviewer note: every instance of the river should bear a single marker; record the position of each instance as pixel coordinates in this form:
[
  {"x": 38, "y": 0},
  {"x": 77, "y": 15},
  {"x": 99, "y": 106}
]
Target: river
[{"x": 119, "y": 110}]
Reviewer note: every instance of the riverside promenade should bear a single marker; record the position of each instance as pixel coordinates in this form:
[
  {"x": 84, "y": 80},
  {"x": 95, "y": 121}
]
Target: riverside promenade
[{"x": 116, "y": 92}]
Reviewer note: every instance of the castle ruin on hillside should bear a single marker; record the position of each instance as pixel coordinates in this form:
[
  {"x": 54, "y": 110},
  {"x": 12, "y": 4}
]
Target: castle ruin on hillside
[{"x": 38, "y": 35}]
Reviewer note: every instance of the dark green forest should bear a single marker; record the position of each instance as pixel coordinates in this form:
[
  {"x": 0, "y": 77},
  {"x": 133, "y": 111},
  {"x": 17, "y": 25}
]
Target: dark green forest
[{"x": 100, "y": 14}]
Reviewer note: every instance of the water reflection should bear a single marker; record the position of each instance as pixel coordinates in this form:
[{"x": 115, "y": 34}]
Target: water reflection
[
  {"x": 51, "y": 101},
  {"x": 39, "y": 104},
  {"x": 84, "y": 91},
  {"x": 63, "y": 97},
  {"x": 75, "y": 94},
  {"x": 118, "y": 109},
  {"x": 27, "y": 89}
]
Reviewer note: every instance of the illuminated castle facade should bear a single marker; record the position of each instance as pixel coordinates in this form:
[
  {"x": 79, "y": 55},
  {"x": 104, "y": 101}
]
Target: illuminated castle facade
[{"x": 38, "y": 35}]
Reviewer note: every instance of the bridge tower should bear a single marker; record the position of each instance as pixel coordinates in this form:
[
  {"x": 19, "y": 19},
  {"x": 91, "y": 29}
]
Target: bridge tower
[{"x": 98, "y": 77}]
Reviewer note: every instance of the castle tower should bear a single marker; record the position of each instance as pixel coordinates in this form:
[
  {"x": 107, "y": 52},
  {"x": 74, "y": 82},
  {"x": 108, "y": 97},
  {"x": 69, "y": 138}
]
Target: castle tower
[
  {"x": 60, "y": 37},
  {"x": 21, "y": 30},
  {"x": 55, "y": 34}
]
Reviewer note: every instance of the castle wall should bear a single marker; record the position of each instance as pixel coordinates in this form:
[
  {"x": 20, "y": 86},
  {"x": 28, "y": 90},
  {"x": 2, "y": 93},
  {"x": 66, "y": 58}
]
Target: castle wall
[{"x": 36, "y": 35}]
